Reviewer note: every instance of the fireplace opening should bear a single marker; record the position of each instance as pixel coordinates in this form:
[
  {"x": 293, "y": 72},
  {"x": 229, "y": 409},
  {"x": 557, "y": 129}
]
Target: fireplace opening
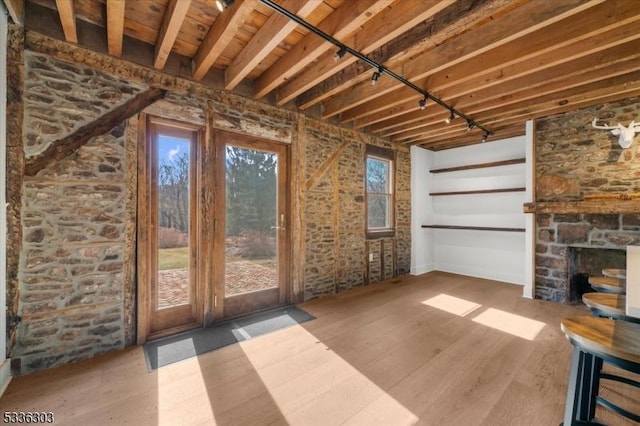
[{"x": 588, "y": 262}]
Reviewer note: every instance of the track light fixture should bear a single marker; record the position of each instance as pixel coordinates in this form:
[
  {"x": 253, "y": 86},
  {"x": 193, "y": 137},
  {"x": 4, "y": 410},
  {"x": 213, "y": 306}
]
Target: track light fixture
[
  {"x": 450, "y": 118},
  {"x": 485, "y": 135},
  {"x": 379, "y": 68},
  {"x": 470, "y": 125},
  {"x": 340, "y": 54},
  {"x": 422, "y": 103},
  {"x": 223, "y": 4},
  {"x": 375, "y": 77}
]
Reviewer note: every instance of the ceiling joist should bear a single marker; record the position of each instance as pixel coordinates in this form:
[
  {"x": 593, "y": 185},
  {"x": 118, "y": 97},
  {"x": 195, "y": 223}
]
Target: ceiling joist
[{"x": 495, "y": 62}]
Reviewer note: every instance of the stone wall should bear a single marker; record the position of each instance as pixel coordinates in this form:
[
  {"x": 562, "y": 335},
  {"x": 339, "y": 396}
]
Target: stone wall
[
  {"x": 556, "y": 233},
  {"x": 71, "y": 277},
  {"x": 76, "y": 287},
  {"x": 337, "y": 255},
  {"x": 61, "y": 97},
  {"x": 574, "y": 160}
]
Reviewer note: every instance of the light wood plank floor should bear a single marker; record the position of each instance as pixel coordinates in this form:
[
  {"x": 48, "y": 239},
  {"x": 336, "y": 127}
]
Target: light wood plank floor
[{"x": 437, "y": 349}]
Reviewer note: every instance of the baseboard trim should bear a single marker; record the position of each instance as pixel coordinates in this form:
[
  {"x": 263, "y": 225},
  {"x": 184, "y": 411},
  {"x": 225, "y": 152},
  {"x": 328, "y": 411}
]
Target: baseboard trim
[{"x": 422, "y": 269}]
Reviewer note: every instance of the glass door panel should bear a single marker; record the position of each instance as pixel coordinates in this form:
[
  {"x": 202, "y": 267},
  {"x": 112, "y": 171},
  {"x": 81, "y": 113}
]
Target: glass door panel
[
  {"x": 253, "y": 241},
  {"x": 251, "y": 254},
  {"x": 171, "y": 228},
  {"x": 173, "y": 269}
]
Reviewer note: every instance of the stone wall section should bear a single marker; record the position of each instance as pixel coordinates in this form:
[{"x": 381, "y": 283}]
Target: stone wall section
[
  {"x": 557, "y": 232},
  {"x": 76, "y": 288},
  {"x": 336, "y": 251},
  {"x": 60, "y": 97},
  {"x": 573, "y": 159},
  {"x": 71, "y": 277}
]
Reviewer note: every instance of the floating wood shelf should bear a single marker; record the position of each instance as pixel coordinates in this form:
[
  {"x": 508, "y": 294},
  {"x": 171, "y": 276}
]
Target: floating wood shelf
[
  {"x": 475, "y": 228},
  {"x": 577, "y": 207},
  {"x": 480, "y": 166},
  {"x": 479, "y": 191}
]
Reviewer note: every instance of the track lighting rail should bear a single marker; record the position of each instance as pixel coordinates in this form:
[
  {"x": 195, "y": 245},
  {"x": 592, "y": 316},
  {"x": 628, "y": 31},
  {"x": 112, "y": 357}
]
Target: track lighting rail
[{"x": 379, "y": 69}]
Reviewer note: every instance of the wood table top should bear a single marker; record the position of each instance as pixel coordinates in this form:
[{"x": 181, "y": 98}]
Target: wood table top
[
  {"x": 606, "y": 302},
  {"x": 620, "y": 339}
]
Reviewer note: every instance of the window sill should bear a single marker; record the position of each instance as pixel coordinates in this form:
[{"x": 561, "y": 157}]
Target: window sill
[{"x": 384, "y": 233}]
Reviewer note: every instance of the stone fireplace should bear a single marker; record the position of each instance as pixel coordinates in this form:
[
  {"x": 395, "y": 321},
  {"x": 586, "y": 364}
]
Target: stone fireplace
[
  {"x": 587, "y": 198},
  {"x": 571, "y": 247}
]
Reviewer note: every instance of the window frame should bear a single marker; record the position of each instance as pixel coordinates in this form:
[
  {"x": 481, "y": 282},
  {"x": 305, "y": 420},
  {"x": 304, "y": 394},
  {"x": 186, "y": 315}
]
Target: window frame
[{"x": 385, "y": 154}]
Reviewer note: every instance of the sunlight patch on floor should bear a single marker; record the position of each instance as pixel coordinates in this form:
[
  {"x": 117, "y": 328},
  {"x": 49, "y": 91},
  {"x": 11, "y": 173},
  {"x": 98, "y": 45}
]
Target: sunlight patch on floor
[
  {"x": 451, "y": 304},
  {"x": 516, "y": 325},
  {"x": 332, "y": 392},
  {"x": 187, "y": 388}
]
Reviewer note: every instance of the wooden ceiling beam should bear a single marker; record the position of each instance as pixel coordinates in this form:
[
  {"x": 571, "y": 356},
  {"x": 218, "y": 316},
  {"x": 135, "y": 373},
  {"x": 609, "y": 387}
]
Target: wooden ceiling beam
[
  {"x": 494, "y": 69},
  {"x": 220, "y": 35},
  {"x": 171, "y": 23},
  {"x": 115, "y": 26},
  {"x": 16, "y": 10},
  {"x": 64, "y": 147},
  {"x": 457, "y": 18},
  {"x": 375, "y": 33},
  {"x": 593, "y": 68},
  {"x": 491, "y": 73},
  {"x": 340, "y": 24},
  {"x": 533, "y": 87},
  {"x": 67, "y": 20},
  {"x": 263, "y": 42},
  {"x": 464, "y": 140},
  {"x": 610, "y": 90},
  {"x": 617, "y": 87},
  {"x": 530, "y": 17},
  {"x": 411, "y": 131}
]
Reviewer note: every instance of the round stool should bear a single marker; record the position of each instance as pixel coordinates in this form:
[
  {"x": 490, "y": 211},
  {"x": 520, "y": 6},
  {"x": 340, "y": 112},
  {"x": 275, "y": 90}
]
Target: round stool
[
  {"x": 608, "y": 305},
  {"x": 607, "y": 285},
  {"x": 597, "y": 340}
]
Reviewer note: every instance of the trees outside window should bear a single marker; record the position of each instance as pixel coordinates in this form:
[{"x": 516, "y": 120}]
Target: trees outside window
[{"x": 379, "y": 172}]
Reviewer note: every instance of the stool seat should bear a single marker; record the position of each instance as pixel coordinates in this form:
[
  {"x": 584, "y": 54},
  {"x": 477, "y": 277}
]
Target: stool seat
[
  {"x": 596, "y": 341},
  {"x": 615, "y": 273},
  {"x": 605, "y": 336},
  {"x": 606, "y": 304},
  {"x": 607, "y": 285}
]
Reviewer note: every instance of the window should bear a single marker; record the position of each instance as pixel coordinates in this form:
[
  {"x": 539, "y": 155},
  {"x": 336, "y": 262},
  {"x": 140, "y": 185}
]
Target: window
[{"x": 379, "y": 172}]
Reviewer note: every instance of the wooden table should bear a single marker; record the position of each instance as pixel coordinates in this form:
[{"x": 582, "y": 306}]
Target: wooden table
[{"x": 597, "y": 340}]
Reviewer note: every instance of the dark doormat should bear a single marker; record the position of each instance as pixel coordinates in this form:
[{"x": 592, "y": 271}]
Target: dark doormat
[{"x": 171, "y": 349}]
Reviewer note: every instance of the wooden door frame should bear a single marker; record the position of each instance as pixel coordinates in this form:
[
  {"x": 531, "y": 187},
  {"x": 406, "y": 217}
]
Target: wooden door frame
[
  {"x": 221, "y": 139},
  {"x": 146, "y": 242}
]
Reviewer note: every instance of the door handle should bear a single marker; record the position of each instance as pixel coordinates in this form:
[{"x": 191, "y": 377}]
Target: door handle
[{"x": 281, "y": 227}]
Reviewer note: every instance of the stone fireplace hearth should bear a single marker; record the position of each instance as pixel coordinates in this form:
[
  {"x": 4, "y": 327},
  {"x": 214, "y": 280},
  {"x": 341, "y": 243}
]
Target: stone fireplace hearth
[{"x": 559, "y": 240}]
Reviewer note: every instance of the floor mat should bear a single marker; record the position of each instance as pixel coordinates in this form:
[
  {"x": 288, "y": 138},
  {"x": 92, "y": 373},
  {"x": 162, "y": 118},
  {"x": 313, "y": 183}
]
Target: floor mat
[{"x": 186, "y": 345}]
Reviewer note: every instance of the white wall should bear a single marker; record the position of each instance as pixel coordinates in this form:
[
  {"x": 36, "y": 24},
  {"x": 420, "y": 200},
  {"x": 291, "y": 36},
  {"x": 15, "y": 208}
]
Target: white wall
[
  {"x": 422, "y": 255},
  {"x": 4, "y": 362},
  {"x": 530, "y": 219},
  {"x": 486, "y": 254}
]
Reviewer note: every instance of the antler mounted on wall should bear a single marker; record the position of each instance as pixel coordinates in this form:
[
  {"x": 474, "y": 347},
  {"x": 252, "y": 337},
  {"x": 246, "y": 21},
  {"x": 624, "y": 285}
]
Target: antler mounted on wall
[{"x": 625, "y": 134}]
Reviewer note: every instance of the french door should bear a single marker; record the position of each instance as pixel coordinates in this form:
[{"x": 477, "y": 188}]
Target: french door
[
  {"x": 212, "y": 232},
  {"x": 250, "y": 249},
  {"x": 168, "y": 255}
]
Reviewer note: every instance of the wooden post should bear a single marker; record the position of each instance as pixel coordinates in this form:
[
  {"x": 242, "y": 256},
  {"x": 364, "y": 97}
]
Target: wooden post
[
  {"x": 298, "y": 203},
  {"x": 15, "y": 173}
]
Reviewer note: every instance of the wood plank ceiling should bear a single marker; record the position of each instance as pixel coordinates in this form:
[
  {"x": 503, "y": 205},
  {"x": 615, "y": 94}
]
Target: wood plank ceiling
[{"x": 499, "y": 62}]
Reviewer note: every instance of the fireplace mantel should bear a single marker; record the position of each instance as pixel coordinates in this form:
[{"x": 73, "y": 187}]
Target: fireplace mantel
[{"x": 590, "y": 206}]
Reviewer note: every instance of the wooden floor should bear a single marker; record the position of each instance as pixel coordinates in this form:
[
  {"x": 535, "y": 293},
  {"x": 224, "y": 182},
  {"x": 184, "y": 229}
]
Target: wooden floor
[{"x": 438, "y": 349}]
